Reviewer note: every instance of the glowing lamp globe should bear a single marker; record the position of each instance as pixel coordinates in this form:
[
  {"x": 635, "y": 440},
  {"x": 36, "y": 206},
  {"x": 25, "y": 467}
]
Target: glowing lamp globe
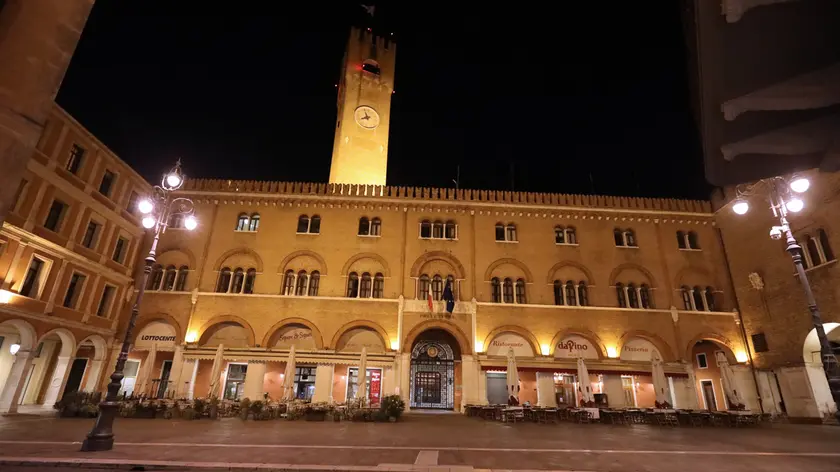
[
  {"x": 145, "y": 206},
  {"x": 190, "y": 223},
  {"x": 173, "y": 180},
  {"x": 14, "y": 348},
  {"x": 800, "y": 185},
  {"x": 741, "y": 207},
  {"x": 148, "y": 222},
  {"x": 796, "y": 205}
]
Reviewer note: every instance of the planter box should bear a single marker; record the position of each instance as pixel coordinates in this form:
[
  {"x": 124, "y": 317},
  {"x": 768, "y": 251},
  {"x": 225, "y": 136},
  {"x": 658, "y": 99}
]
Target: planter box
[{"x": 316, "y": 415}]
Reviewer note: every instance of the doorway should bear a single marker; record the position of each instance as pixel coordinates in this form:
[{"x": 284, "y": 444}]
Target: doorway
[
  {"x": 77, "y": 372},
  {"x": 432, "y": 375},
  {"x": 709, "y": 394},
  {"x": 497, "y": 388},
  {"x": 165, "y": 371},
  {"x": 235, "y": 382}
]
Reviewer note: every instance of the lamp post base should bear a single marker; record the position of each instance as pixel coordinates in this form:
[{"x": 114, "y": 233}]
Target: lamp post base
[{"x": 101, "y": 437}]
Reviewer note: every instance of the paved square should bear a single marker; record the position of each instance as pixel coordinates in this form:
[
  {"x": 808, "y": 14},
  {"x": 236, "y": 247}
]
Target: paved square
[{"x": 426, "y": 440}]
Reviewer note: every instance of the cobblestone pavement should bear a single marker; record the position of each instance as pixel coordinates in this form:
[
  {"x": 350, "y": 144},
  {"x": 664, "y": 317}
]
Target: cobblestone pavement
[{"x": 459, "y": 441}]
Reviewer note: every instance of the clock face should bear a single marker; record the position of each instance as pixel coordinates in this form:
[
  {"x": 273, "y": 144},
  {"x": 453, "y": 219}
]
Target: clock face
[{"x": 366, "y": 117}]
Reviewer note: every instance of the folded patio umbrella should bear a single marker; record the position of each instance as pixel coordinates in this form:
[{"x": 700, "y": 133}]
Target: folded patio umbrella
[
  {"x": 216, "y": 373},
  {"x": 660, "y": 383},
  {"x": 361, "y": 379},
  {"x": 145, "y": 383},
  {"x": 289, "y": 377},
  {"x": 584, "y": 385},
  {"x": 727, "y": 376},
  {"x": 512, "y": 376}
]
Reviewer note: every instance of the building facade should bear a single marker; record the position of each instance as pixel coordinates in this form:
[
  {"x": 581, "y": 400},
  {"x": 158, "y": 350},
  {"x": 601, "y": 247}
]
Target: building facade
[{"x": 67, "y": 255}]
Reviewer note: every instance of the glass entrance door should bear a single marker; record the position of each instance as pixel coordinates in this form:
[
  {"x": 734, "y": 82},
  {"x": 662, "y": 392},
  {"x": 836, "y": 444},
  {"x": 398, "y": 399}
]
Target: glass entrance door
[{"x": 235, "y": 382}]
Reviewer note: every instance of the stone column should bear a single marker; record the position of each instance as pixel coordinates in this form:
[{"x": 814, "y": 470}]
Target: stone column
[
  {"x": 545, "y": 389},
  {"x": 389, "y": 384},
  {"x": 254, "y": 381},
  {"x": 469, "y": 381},
  {"x": 482, "y": 388},
  {"x": 191, "y": 385},
  {"x": 404, "y": 380},
  {"x": 324, "y": 374},
  {"x": 690, "y": 384},
  {"x": 58, "y": 380},
  {"x": 16, "y": 380},
  {"x": 615, "y": 391},
  {"x": 38, "y": 40},
  {"x": 94, "y": 373}
]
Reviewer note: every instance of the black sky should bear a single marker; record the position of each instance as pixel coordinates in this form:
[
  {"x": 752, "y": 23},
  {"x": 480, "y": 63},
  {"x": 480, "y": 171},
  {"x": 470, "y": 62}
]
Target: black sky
[{"x": 546, "y": 94}]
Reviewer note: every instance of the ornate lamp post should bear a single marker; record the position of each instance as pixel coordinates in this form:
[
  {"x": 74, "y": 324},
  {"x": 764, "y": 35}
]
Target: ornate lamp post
[
  {"x": 158, "y": 209},
  {"x": 781, "y": 193}
]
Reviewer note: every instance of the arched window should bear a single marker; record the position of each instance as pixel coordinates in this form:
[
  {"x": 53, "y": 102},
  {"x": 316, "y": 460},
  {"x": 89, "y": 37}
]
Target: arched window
[
  {"x": 558, "y": 293},
  {"x": 303, "y": 224},
  {"x": 255, "y": 222},
  {"x": 451, "y": 281},
  {"x": 507, "y": 291},
  {"x": 571, "y": 235},
  {"x": 619, "y": 237},
  {"x": 423, "y": 287},
  {"x": 314, "y": 282},
  {"x": 825, "y": 244},
  {"x": 645, "y": 297},
  {"x": 621, "y": 294},
  {"x": 520, "y": 292},
  {"x": 353, "y": 285},
  {"x": 315, "y": 225},
  {"x": 250, "y": 278},
  {"x": 242, "y": 222},
  {"x": 510, "y": 232},
  {"x": 238, "y": 279},
  {"x": 437, "y": 287},
  {"x": 500, "y": 232},
  {"x": 451, "y": 230},
  {"x": 559, "y": 235},
  {"x": 169, "y": 278},
  {"x": 630, "y": 238},
  {"x": 687, "y": 297},
  {"x": 571, "y": 290},
  {"x": 624, "y": 237},
  {"x": 583, "y": 294},
  {"x": 155, "y": 278},
  {"x": 632, "y": 296},
  {"x": 378, "y": 286},
  {"x": 710, "y": 299},
  {"x": 364, "y": 226},
  {"x": 693, "y": 241},
  {"x": 300, "y": 284},
  {"x": 496, "y": 290},
  {"x": 697, "y": 294},
  {"x": 181, "y": 283},
  {"x": 223, "y": 283},
  {"x": 289, "y": 283},
  {"x": 437, "y": 230},
  {"x": 425, "y": 229},
  {"x": 681, "y": 240},
  {"x": 813, "y": 251},
  {"x": 375, "y": 227},
  {"x": 364, "y": 288},
  {"x": 371, "y": 66}
]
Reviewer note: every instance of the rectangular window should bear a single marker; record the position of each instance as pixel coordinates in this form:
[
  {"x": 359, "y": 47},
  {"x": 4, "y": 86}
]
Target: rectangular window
[
  {"x": 77, "y": 155},
  {"x": 91, "y": 234},
  {"x": 32, "y": 279},
  {"x": 55, "y": 215},
  {"x": 759, "y": 342},
  {"x": 133, "y": 199},
  {"x": 702, "y": 362},
  {"x": 107, "y": 183},
  {"x": 105, "y": 302},
  {"x": 19, "y": 193},
  {"x": 74, "y": 290},
  {"x": 119, "y": 249}
]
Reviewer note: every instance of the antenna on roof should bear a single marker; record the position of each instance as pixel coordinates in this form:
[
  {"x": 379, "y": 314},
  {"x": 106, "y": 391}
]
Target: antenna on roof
[{"x": 457, "y": 179}]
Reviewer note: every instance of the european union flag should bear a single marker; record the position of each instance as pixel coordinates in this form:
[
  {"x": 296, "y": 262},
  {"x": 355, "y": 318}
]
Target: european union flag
[{"x": 448, "y": 297}]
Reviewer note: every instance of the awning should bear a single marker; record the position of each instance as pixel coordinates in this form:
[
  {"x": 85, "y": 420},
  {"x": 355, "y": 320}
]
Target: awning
[
  {"x": 812, "y": 137},
  {"x": 566, "y": 366},
  {"x": 301, "y": 357},
  {"x": 816, "y": 89}
]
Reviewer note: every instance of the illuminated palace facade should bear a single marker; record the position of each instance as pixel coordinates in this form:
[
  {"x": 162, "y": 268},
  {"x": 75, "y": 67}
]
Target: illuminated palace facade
[{"x": 336, "y": 268}]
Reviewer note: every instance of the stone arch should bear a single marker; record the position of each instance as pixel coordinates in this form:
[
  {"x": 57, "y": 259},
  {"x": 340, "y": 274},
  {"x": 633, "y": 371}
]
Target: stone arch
[
  {"x": 451, "y": 328},
  {"x": 186, "y": 252},
  {"x": 527, "y": 335},
  {"x": 366, "y": 255},
  {"x": 386, "y": 340},
  {"x": 715, "y": 338},
  {"x": 316, "y": 333},
  {"x": 145, "y": 320},
  {"x": 660, "y": 344},
  {"x": 529, "y": 278},
  {"x": 549, "y": 279},
  {"x": 629, "y": 265},
  {"x": 446, "y": 257},
  {"x": 100, "y": 346},
  {"x": 584, "y": 333},
  {"x": 27, "y": 332},
  {"x": 227, "y": 319},
  {"x": 241, "y": 250},
  {"x": 286, "y": 260},
  {"x": 68, "y": 341}
]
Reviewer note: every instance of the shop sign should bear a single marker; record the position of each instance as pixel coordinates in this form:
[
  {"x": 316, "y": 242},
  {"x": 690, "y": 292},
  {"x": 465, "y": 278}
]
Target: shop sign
[
  {"x": 300, "y": 338},
  {"x": 638, "y": 349},
  {"x": 501, "y": 344},
  {"x": 161, "y": 334},
  {"x": 573, "y": 346}
]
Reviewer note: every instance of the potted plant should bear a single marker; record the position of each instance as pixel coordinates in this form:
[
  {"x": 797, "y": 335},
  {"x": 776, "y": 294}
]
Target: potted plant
[
  {"x": 316, "y": 411},
  {"x": 393, "y": 407},
  {"x": 214, "y": 408}
]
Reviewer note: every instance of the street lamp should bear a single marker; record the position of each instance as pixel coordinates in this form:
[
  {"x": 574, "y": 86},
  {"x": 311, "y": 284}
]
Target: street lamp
[
  {"x": 781, "y": 193},
  {"x": 157, "y": 211}
]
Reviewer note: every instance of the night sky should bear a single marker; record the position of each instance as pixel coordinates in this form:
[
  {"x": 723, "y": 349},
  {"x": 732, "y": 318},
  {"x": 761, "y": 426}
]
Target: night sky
[{"x": 565, "y": 98}]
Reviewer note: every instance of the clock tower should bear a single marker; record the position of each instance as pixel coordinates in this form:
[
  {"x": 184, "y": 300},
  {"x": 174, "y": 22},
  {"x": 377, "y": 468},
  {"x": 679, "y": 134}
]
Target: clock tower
[{"x": 360, "y": 150}]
